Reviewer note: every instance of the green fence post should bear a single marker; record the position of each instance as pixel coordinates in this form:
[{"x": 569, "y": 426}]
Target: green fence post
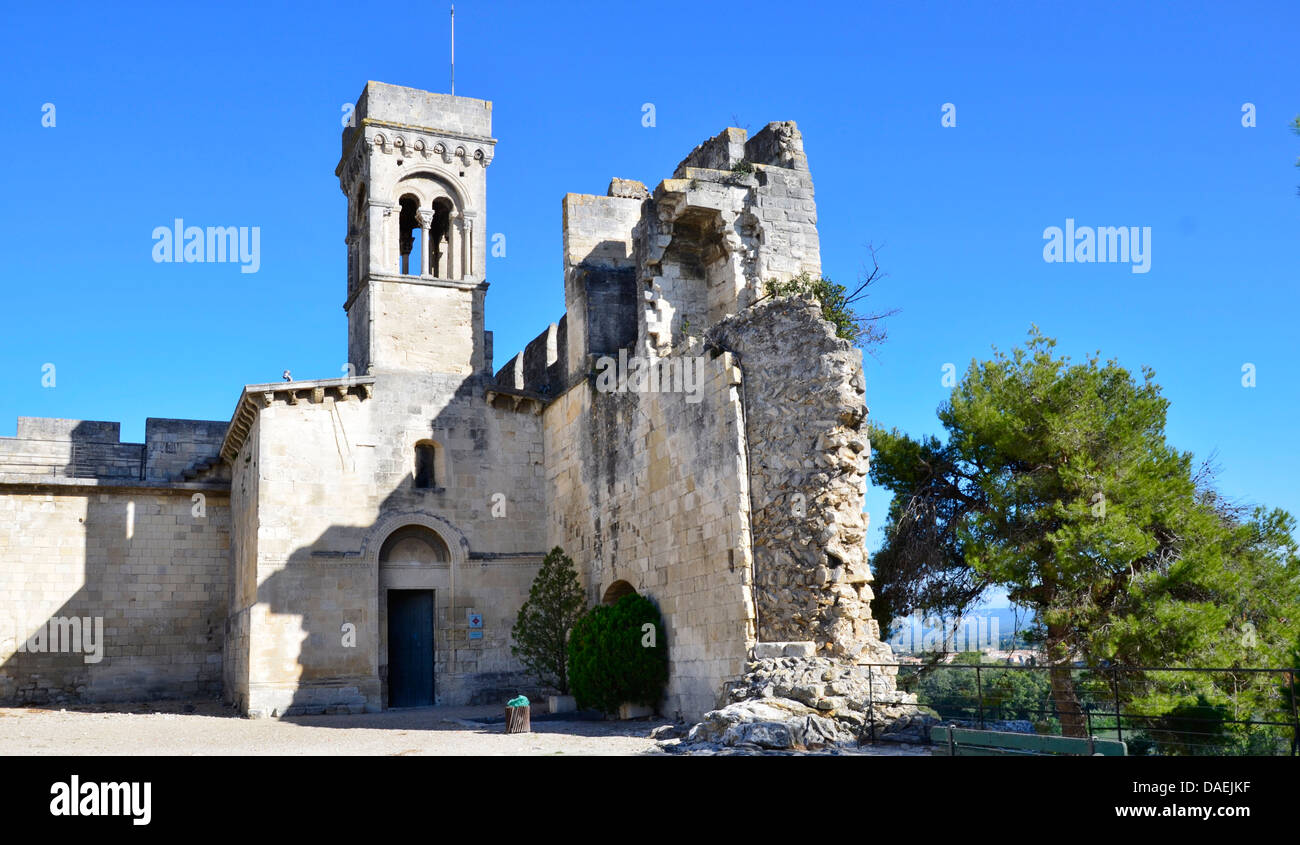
[
  {"x": 1114, "y": 685},
  {"x": 1295, "y": 719}
]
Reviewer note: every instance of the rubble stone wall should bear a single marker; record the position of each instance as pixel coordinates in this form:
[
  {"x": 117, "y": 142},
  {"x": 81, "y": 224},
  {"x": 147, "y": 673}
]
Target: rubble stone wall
[{"x": 806, "y": 432}]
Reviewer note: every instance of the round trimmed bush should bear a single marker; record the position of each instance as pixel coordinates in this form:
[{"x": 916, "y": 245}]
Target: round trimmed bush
[{"x": 614, "y": 658}]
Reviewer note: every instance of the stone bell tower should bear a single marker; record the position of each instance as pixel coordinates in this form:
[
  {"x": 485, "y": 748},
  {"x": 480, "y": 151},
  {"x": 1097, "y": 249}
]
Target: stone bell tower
[{"x": 414, "y": 170}]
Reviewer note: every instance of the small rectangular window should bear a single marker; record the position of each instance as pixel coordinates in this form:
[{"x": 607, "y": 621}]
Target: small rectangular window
[{"x": 424, "y": 466}]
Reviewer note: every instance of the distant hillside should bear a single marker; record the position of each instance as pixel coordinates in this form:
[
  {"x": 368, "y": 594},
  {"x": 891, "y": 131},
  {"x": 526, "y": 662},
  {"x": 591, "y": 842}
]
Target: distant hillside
[
  {"x": 1009, "y": 623},
  {"x": 1008, "y": 620}
]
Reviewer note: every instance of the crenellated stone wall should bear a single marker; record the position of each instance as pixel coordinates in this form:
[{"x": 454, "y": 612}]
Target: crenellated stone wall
[
  {"x": 45, "y": 449},
  {"x": 121, "y": 545}
]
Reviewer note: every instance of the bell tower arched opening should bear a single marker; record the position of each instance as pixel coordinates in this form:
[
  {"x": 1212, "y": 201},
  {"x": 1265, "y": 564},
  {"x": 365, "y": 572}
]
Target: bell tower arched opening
[
  {"x": 409, "y": 234},
  {"x": 440, "y": 240},
  {"x": 414, "y": 169}
]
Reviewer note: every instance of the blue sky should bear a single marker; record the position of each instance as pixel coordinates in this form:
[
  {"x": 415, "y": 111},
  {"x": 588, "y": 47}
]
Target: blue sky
[{"x": 1110, "y": 114}]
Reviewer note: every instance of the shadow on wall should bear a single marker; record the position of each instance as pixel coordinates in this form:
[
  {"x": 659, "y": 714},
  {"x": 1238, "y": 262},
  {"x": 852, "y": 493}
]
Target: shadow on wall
[
  {"x": 320, "y": 625},
  {"x": 160, "y": 579},
  {"x": 142, "y": 617}
]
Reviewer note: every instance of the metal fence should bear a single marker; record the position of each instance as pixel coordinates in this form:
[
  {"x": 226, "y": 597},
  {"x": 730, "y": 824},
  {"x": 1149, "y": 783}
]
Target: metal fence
[{"x": 1158, "y": 711}]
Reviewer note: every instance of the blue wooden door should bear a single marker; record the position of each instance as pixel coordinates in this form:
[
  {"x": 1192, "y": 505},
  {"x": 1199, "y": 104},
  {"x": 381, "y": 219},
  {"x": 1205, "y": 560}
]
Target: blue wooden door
[{"x": 410, "y": 648}]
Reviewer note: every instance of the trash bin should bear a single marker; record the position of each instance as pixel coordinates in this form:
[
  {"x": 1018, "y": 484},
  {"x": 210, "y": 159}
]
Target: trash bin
[{"x": 518, "y": 715}]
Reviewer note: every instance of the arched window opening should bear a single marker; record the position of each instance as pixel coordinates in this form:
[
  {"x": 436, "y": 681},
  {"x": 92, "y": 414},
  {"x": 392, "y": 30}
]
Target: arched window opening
[
  {"x": 427, "y": 473},
  {"x": 408, "y": 227},
  {"x": 616, "y": 591},
  {"x": 440, "y": 239}
]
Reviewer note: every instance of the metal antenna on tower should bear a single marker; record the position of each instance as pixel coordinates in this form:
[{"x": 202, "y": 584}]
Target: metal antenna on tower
[{"x": 453, "y": 49}]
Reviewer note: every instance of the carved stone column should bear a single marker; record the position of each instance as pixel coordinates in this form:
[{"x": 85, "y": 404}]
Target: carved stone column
[
  {"x": 468, "y": 229},
  {"x": 426, "y": 223},
  {"x": 454, "y": 238}
]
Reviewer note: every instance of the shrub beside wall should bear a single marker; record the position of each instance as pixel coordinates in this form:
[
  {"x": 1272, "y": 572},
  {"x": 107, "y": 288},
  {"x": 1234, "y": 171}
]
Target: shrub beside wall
[{"x": 618, "y": 654}]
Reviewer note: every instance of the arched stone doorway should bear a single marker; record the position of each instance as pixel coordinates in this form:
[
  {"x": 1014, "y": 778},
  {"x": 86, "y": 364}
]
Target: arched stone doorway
[{"x": 414, "y": 566}]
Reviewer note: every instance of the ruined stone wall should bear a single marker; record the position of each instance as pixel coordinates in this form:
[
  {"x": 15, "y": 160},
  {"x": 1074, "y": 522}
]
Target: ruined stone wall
[
  {"x": 735, "y": 215},
  {"x": 600, "y": 295},
  {"x": 649, "y": 489},
  {"x": 808, "y": 450},
  {"x": 626, "y": 470},
  {"x": 738, "y": 214},
  {"x": 140, "y": 559}
]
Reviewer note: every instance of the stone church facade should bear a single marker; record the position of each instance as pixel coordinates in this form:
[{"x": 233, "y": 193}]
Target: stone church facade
[{"x": 361, "y": 542}]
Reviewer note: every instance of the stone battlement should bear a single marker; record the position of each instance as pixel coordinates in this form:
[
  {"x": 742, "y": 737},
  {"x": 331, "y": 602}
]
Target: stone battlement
[{"x": 45, "y": 449}]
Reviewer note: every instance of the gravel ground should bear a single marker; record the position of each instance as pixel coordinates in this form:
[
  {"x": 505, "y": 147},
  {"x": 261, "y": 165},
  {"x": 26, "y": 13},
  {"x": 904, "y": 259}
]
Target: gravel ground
[{"x": 208, "y": 729}]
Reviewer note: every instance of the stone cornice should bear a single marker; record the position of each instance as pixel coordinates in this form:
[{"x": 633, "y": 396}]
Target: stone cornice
[
  {"x": 415, "y": 140},
  {"x": 428, "y": 130},
  {"x": 428, "y": 281},
  {"x": 481, "y": 558},
  {"x": 536, "y": 402},
  {"x": 258, "y": 396},
  {"x": 59, "y": 484}
]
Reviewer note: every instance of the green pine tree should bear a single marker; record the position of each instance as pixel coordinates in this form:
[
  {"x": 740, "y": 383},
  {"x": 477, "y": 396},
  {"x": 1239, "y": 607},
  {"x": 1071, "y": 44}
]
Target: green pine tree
[
  {"x": 1056, "y": 484},
  {"x": 555, "y": 602}
]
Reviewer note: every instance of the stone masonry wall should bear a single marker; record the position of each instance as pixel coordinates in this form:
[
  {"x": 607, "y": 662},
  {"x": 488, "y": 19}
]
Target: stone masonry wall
[
  {"x": 808, "y": 451},
  {"x": 649, "y": 489},
  {"x": 332, "y": 474},
  {"x": 737, "y": 213},
  {"x": 143, "y": 562},
  {"x": 600, "y": 293},
  {"x": 129, "y": 539},
  {"x": 245, "y": 471}
]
